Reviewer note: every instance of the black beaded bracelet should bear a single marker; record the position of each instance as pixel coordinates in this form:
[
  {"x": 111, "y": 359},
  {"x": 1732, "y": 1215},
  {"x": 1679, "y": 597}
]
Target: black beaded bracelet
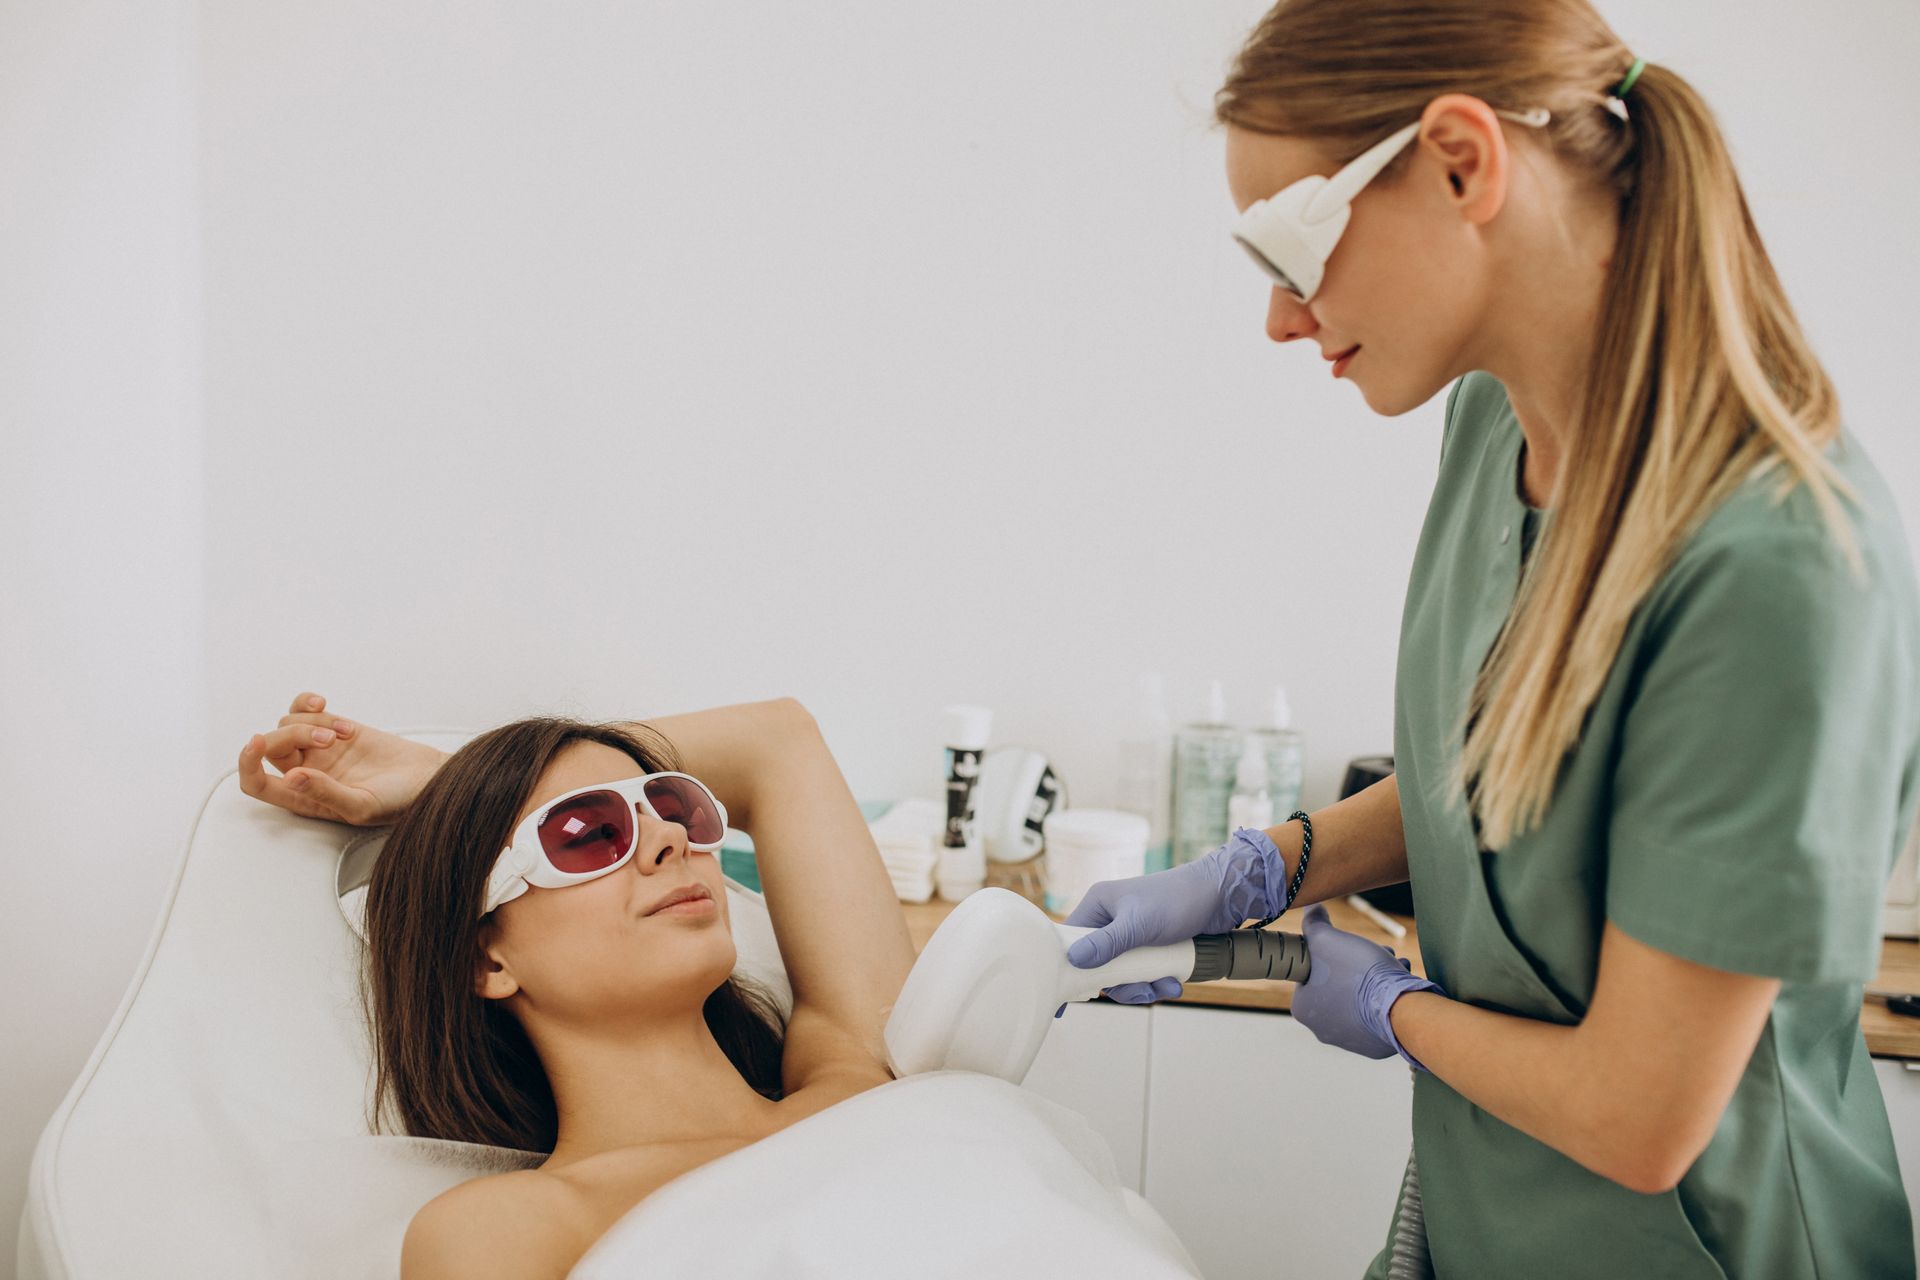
[{"x": 1300, "y": 870}]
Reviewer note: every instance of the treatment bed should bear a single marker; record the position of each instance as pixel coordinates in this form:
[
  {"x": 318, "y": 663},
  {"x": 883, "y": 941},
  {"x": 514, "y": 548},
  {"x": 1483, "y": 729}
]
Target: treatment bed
[{"x": 219, "y": 1128}]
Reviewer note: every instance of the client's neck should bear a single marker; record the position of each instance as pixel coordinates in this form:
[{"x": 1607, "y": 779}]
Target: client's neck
[{"x": 668, "y": 1082}]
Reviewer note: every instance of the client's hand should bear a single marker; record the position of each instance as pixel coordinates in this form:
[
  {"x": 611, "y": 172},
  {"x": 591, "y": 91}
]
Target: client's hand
[{"x": 336, "y": 769}]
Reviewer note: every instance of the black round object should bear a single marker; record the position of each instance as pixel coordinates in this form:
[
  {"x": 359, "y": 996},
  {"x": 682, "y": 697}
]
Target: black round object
[{"x": 1363, "y": 772}]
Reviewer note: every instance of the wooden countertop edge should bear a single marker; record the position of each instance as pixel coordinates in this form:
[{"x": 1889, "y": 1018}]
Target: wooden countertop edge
[{"x": 1889, "y": 1035}]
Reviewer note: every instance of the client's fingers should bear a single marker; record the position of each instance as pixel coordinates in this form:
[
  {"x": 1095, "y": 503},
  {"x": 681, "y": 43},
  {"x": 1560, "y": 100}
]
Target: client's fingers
[
  {"x": 321, "y": 720},
  {"x": 258, "y": 783},
  {"x": 250, "y": 764},
  {"x": 326, "y": 798},
  {"x": 304, "y": 701},
  {"x": 286, "y": 747},
  {"x": 307, "y": 792}
]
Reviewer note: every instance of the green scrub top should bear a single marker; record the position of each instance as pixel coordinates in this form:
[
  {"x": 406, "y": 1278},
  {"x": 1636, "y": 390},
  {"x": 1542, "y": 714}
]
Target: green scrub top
[{"x": 1737, "y": 798}]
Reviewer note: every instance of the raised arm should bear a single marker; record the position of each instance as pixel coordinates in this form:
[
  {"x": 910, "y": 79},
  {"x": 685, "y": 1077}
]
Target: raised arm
[{"x": 842, "y": 934}]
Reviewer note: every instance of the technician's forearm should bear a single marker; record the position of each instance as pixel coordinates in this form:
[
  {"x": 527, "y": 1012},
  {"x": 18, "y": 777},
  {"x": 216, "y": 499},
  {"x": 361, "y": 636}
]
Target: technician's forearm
[
  {"x": 1541, "y": 1078},
  {"x": 1358, "y": 844}
]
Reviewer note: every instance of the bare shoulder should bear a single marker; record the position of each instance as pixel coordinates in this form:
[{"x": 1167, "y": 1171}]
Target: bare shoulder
[{"x": 521, "y": 1224}]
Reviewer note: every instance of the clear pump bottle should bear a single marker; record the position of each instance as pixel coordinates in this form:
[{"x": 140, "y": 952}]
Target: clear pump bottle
[
  {"x": 1285, "y": 751},
  {"x": 1252, "y": 802},
  {"x": 1204, "y": 755}
]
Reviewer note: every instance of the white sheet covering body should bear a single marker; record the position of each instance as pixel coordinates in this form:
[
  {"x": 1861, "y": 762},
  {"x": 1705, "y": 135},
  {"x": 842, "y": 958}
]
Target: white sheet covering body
[{"x": 948, "y": 1174}]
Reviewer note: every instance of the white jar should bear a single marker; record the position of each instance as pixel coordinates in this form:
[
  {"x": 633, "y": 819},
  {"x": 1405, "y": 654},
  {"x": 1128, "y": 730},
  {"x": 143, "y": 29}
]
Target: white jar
[
  {"x": 961, "y": 871},
  {"x": 1085, "y": 846}
]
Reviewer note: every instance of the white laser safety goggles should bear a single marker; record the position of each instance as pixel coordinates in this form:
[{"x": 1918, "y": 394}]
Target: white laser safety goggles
[
  {"x": 591, "y": 831},
  {"x": 1292, "y": 232}
]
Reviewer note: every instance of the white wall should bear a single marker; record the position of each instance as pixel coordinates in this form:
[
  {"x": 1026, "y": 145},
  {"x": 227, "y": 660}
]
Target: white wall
[
  {"x": 104, "y": 718},
  {"x": 469, "y": 361}
]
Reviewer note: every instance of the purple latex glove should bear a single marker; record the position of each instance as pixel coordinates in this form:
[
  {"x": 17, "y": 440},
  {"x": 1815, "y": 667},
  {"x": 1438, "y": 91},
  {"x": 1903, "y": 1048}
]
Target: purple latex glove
[
  {"x": 1351, "y": 988},
  {"x": 1244, "y": 879}
]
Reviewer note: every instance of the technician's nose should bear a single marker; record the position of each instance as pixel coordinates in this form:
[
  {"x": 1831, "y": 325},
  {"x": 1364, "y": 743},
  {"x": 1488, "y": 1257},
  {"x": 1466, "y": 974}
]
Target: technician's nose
[{"x": 1288, "y": 318}]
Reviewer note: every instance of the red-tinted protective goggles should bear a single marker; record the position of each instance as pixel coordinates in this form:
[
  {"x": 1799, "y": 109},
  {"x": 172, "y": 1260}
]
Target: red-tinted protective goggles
[{"x": 591, "y": 831}]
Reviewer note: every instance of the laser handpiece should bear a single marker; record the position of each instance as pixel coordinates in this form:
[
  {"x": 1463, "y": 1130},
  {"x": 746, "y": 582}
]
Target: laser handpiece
[
  {"x": 982, "y": 995},
  {"x": 1250, "y": 953}
]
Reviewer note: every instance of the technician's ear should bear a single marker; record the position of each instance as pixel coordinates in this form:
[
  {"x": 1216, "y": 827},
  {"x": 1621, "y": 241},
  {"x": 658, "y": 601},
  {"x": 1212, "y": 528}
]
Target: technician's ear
[{"x": 1463, "y": 135}]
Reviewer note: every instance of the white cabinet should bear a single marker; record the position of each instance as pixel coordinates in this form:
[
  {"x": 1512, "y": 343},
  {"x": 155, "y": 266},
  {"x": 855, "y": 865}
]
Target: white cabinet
[
  {"x": 1900, "y": 1086},
  {"x": 1269, "y": 1153}
]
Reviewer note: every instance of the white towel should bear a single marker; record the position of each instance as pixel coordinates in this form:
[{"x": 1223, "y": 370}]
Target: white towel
[
  {"x": 912, "y": 889},
  {"x": 913, "y": 817},
  {"x": 908, "y": 837}
]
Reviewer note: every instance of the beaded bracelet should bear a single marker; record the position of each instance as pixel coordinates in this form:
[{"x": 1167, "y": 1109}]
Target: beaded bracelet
[{"x": 1300, "y": 870}]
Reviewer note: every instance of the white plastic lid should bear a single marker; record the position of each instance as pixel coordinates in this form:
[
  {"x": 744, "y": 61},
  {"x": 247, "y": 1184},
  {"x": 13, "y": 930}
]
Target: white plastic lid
[
  {"x": 968, "y": 727},
  {"x": 1216, "y": 704},
  {"x": 1096, "y": 828}
]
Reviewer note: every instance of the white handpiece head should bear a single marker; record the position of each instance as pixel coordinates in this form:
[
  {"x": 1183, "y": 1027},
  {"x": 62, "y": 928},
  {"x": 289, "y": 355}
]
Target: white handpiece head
[{"x": 983, "y": 993}]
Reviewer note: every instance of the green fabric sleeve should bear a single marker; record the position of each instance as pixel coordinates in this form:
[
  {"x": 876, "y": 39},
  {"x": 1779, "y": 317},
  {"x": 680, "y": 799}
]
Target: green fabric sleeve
[{"x": 1761, "y": 755}]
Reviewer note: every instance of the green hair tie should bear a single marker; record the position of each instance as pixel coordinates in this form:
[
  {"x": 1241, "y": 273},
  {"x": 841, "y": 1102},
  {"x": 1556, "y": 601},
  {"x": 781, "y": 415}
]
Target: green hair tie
[{"x": 1632, "y": 75}]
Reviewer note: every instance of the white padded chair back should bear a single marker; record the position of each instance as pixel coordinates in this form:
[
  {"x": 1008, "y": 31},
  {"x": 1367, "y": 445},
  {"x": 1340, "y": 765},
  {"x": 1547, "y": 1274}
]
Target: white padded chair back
[{"x": 219, "y": 1127}]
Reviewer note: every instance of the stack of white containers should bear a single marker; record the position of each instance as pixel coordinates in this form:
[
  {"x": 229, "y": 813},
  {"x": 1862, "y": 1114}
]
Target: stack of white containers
[
  {"x": 1085, "y": 846},
  {"x": 909, "y": 838}
]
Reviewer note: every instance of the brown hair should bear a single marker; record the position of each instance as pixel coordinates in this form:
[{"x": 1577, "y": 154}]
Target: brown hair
[
  {"x": 1700, "y": 376},
  {"x": 452, "y": 1063}
]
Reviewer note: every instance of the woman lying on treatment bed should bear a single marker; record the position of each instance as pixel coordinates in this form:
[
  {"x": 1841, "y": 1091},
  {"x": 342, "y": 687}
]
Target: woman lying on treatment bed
[{"x": 596, "y": 1019}]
